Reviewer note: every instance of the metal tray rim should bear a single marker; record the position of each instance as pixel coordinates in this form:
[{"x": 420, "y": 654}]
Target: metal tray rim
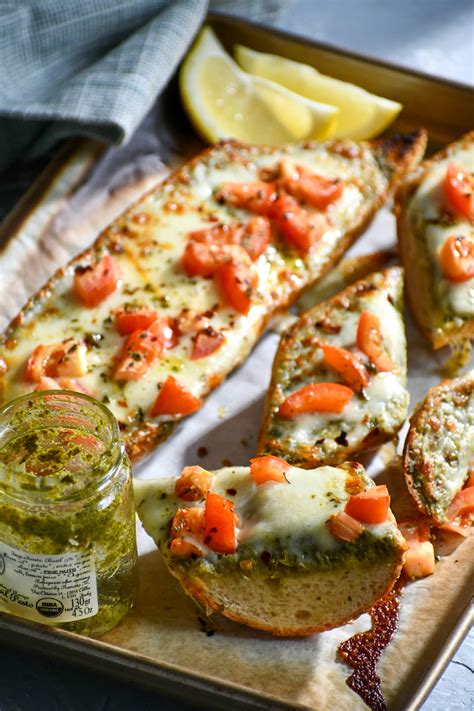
[{"x": 160, "y": 675}]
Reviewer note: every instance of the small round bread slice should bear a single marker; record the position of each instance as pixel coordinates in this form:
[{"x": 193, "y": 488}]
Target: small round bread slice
[
  {"x": 439, "y": 449},
  {"x": 290, "y": 573}
]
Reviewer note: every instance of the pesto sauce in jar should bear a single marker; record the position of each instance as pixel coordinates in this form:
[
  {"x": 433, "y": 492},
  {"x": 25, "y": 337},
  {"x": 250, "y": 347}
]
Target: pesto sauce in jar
[{"x": 68, "y": 553}]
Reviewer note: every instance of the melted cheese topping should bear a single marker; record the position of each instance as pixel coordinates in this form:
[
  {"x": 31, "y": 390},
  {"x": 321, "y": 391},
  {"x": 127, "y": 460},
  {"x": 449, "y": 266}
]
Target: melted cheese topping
[
  {"x": 147, "y": 244},
  {"x": 425, "y": 216},
  {"x": 271, "y": 513}
]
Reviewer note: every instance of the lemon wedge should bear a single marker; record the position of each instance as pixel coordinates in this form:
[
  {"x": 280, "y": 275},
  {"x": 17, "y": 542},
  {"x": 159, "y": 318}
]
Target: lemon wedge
[
  {"x": 225, "y": 102},
  {"x": 362, "y": 115}
]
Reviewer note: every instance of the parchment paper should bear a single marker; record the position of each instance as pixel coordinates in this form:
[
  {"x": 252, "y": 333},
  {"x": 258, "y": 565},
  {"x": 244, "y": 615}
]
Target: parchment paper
[{"x": 164, "y": 625}]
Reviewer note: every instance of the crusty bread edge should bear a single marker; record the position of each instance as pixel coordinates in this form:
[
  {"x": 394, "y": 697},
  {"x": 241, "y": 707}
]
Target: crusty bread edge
[
  {"x": 423, "y": 410},
  {"x": 196, "y": 589}
]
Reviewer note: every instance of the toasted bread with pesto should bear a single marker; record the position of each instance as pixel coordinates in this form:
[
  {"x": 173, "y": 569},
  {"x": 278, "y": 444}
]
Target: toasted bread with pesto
[
  {"x": 439, "y": 449},
  {"x": 338, "y": 385},
  {"x": 271, "y": 546},
  {"x": 435, "y": 218}
]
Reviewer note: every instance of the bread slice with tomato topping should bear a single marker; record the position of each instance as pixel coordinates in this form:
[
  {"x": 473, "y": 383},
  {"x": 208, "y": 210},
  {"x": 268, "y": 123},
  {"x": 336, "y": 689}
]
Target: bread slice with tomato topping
[
  {"x": 438, "y": 458},
  {"x": 281, "y": 549},
  {"x": 175, "y": 292},
  {"x": 338, "y": 384},
  {"x": 435, "y": 214}
]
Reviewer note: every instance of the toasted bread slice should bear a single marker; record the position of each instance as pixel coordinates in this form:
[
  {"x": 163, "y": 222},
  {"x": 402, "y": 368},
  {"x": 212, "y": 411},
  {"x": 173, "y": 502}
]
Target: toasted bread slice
[
  {"x": 439, "y": 449},
  {"x": 141, "y": 258},
  {"x": 443, "y": 306},
  {"x": 288, "y": 574},
  {"x": 373, "y": 415}
]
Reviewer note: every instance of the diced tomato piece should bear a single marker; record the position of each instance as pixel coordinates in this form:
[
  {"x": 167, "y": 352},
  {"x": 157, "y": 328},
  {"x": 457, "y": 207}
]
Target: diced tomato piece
[
  {"x": 92, "y": 284},
  {"x": 462, "y": 506},
  {"x": 182, "y": 548},
  {"x": 142, "y": 348},
  {"x": 299, "y": 227},
  {"x": 174, "y": 399},
  {"x": 253, "y": 236},
  {"x": 238, "y": 281},
  {"x": 37, "y": 363},
  {"x": 345, "y": 527},
  {"x": 256, "y": 237},
  {"x": 370, "y": 341},
  {"x": 218, "y": 234},
  {"x": 193, "y": 484},
  {"x": 268, "y": 468},
  {"x": 45, "y": 383},
  {"x": 419, "y": 560},
  {"x": 201, "y": 259},
  {"x": 349, "y": 366},
  {"x": 316, "y": 397},
  {"x": 67, "y": 359},
  {"x": 219, "y": 524},
  {"x": 134, "y": 318},
  {"x": 255, "y": 196},
  {"x": 206, "y": 342},
  {"x": 456, "y": 257},
  {"x": 187, "y": 521},
  {"x": 459, "y": 190},
  {"x": 308, "y": 187},
  {"x": 370, "y": 506}
]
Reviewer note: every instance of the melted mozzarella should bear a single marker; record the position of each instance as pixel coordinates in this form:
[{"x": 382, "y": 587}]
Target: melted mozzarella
[
  {"x": 427, "y": 205},
  {"x": 150, "y": 238},
  {"x": 288, "y": 512},
  {"x": 386, "y": 393}
]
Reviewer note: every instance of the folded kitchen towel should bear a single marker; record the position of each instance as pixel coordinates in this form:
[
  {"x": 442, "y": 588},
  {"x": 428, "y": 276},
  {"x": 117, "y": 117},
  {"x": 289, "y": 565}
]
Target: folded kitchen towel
[{"x": 92, "y": 67}]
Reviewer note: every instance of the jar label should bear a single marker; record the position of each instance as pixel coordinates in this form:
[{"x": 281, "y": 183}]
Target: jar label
[{"x": 48, "y": 588}]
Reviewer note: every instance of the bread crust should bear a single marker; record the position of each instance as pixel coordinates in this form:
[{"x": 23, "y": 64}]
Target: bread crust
[
  {"x": 425, "y": 482},
  {"x": 205, "y": 595},
  {"x": 437, "y": 328},
  {"x": 395, "y": 157},
  {"x": 312, "y": 456}
]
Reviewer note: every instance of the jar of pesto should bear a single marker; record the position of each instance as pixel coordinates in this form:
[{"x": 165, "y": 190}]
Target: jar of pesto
[{"x": 68, "y": 553}]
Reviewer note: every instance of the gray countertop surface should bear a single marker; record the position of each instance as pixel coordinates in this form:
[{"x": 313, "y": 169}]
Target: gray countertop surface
[{"x": 435, "y": 36}]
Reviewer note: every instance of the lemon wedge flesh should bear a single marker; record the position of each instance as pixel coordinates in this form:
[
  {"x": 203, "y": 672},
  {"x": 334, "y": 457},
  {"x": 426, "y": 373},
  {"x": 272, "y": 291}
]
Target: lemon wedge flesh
[
  {"x": 225, "y": 102},
  {"x": 362, "y": 115}
]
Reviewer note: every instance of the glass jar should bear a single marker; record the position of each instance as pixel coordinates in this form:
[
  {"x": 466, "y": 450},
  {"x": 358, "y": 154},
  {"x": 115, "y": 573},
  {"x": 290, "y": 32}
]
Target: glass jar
[{"x": 68, "y": 553}]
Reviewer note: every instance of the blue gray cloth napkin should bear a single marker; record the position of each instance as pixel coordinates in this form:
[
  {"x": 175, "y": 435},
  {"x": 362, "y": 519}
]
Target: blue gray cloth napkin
[{"x": 92, "y": 67}]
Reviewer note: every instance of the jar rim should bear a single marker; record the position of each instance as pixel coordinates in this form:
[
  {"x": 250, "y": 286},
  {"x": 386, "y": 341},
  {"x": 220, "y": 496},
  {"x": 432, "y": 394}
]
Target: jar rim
[{"x": 114, "y": 445}]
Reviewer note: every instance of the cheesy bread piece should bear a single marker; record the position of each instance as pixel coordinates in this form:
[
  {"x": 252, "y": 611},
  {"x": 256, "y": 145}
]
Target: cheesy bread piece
[
  {"x": 435, "y": 212},
  {"x": 338, "y": 385},
  {"x": 438, "y": 456},
  {"x": 174, "y": 294},
  {"x": 281, "y": 549}
]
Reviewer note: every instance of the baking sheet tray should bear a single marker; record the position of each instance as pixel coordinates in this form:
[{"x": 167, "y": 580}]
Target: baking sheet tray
[{"x": 163, "y": 642}]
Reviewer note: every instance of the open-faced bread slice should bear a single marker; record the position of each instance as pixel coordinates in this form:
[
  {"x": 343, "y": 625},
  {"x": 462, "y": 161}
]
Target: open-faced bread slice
[
  {"x": 338, "y": 385},
  {"x": 292, "y": 554},
  {"x": 435, "y": 212},
  {"x": 174, "y": 294},
  {"x": 439, "y": 450}
]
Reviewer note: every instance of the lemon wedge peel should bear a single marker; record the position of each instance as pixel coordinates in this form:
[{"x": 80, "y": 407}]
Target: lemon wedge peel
[
  {"x": 223, "y": 101},
  {"x": 362, "y": 115}
]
